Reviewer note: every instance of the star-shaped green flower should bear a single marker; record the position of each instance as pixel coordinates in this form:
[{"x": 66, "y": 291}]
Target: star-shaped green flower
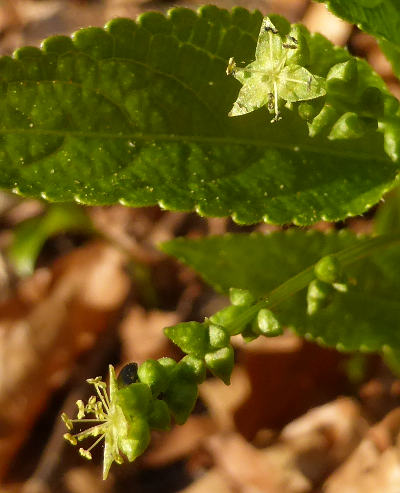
[
  {"x": 118, "y": 417},
  {"x": 274, "y": 75}
]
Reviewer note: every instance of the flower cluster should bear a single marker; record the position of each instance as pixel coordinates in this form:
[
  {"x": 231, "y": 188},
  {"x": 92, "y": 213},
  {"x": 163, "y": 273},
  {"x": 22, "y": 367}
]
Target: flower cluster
[{"x": 150, "y": 396}]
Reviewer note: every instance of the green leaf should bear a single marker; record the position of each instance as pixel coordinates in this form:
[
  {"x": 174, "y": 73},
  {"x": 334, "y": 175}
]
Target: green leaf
[
  {"x": 30, "y": 235},
  {"x": 380, "y": 18},
  {"x": 366, "y": 317},
  {"x": 137, "y": 113},
  {"x": 387, "y": 217}
]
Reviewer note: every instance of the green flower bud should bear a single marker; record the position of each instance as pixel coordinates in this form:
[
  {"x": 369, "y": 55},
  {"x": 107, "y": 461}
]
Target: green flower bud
[
  {"x": 241, "y": 297},
  {"x": 267, "y": 324},
  {"x": 342, "y": 79},
  {"x": 191, "y": 369},
  {"x": 168, "y": 364},
  {"x": 341, "y": 287},
  {"x": 154, "y": 375},
  {"x": 221, "y": 363},
  {"x": 228, "y": 315},
  {"x": 351, "y": 126},
  {"x": 318, "y": 295},
  {"x": 390, "y": 104},
  {"x": 219, "y": 337},
  {"x": 323, "y": 120},
  {"x": 328, "y": 269},
  {"x": 371, "y": 102},
  {"x": 159, "y": 417},
  {"x": 135, "y": 442},
  {"x": 135, "y": 399},
  {"x": 191, "y": 337},
  {"x": 248, "y": 334},
  {"x": 309, "y": 109},
  {"x": 181, "y": 397}
]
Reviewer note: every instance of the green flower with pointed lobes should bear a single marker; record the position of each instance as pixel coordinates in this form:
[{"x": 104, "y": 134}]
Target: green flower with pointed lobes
[
  {"x": 275, "y": 74},
  {"x": 112, "y": 420}
]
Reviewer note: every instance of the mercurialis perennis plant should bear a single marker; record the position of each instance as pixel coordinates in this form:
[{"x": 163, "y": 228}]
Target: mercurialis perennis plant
[{"x": 139, "y": 113}]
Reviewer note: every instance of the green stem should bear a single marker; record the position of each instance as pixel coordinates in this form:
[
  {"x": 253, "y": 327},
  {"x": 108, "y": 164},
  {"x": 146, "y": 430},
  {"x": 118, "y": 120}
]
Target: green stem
[{"x": 302, "y": 279}]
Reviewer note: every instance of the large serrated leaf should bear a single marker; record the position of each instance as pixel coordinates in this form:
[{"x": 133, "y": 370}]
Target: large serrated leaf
[
  {"x": 366, "y": 317},
  {"x": 137, "y": 113}
]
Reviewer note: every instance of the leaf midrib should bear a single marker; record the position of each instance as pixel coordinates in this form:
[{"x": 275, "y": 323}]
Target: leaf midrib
[{"x": 358, "y": 155}]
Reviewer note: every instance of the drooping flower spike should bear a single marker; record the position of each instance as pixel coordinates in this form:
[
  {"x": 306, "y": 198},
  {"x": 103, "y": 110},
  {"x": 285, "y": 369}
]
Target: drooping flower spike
[{"x": 147, "y": 397}]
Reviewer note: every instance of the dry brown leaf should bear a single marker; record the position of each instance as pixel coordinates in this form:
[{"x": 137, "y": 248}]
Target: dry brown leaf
[
  {"x": 125, "y": 227},
  {"x": 179, "y": 442},
  {"x": 142, "y": 335},
  {"x": 222, "y": 400},
  {"x": 211, "y": 481},
  {"x": 292, "y": 9},
  {"x": 250, "y": 469},
  {"x": 381, "y": 394},
  {"x": 86, "y": 480},
  {"x": 375, "y": 465},
  {"x": 285, "y": 381},
  {"x": 325, "y": 436},
  {"x": 38, "y": 342},
  {"x": 307, "y": 449}
]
